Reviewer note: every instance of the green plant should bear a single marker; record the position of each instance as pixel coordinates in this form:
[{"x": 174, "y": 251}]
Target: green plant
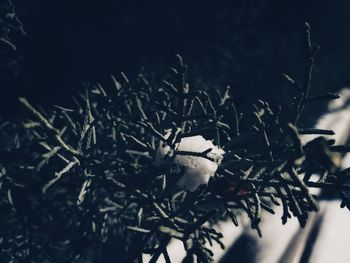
[{"x": 74, "y": 182}]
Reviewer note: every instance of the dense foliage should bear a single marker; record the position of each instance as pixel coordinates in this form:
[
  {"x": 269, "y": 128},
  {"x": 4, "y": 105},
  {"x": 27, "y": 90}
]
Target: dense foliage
[{"x": 82, "y": 184}]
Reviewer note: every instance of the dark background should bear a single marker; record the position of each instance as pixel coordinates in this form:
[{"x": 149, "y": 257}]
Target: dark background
[{"x": 246, "y": 44}]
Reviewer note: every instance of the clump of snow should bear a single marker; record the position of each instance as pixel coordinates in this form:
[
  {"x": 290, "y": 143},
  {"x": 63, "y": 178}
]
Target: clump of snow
[{"x": 198, "y": 170}]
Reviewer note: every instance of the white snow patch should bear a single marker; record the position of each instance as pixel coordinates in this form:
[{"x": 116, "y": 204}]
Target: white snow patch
[
  {"x": 177, "y": 251},
  {"x": 338, "y": 119},
  {"x": 198, "y": 170}
]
